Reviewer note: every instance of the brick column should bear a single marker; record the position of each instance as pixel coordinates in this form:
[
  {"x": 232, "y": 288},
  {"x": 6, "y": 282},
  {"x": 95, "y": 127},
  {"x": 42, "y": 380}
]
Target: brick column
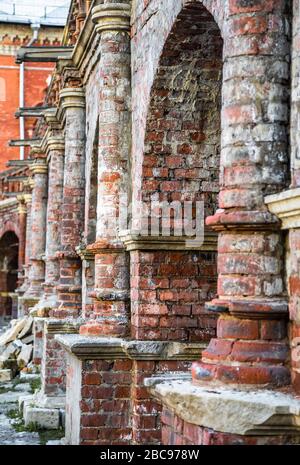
[
  {"x": 22, "y": 213},
  {"x": 55, "y": 152},
  {"x": 110, "y": 316},
  {"x": 69, "y": 289},
  {"x": 37, "y": 231},
  {"x": 252, "y": 346}
]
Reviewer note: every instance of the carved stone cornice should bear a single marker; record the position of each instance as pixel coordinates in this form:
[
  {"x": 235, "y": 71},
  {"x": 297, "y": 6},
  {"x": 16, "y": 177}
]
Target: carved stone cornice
[
  {"x": 112, "y": 17},
  {"x": 50, "y": 116},
  {"x": 103, "y": 247},
  {"x": 84, "y": 253},
  {"x": 57, "y": 326},
  {"x": 107, "y": 295},
  {"x": 242, "y": 221},
  {"x": 133, "y": 241},
  {"x": 257, "y": 309},
  {"x": 286, "y": 206},
  {"x": 103, "y": 348}
]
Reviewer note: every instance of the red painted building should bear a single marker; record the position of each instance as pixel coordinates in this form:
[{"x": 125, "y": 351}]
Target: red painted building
[{"x": 12, "y": 36}]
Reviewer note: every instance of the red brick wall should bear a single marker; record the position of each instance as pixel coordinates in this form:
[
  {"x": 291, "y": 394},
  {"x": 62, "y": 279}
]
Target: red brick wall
[
  {"x": 294, "y": 305},
  {"x": 34, "y": 91},
  {"x": 53, "y": 367},
  {"x": 168, "y": 291},
  {"x": 182, "y": 141},
  {"x": 146, "y": 411},
  {"x": 36, "y": 74},
  {"x": 105, "y": 402},
  {"x": 115, "y": 406}
]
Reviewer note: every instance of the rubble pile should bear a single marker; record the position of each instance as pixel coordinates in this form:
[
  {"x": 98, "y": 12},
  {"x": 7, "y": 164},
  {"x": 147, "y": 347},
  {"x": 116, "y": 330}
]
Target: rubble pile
[{"x": 16, "y": 348}]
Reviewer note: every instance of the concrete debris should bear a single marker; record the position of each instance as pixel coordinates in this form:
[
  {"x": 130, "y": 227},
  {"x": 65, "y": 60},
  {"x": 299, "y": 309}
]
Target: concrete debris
[
  {"x": 5, "y": 375},
  {"x": 12, "y": 333},
  {"x": 16, "y": 348},
  {"x": 25, "y": 356},
  {"x": 27, "y": 328}
]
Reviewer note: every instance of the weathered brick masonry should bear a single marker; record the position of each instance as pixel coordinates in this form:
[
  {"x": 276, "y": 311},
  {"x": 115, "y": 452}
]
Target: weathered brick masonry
[{"x": 172, "y": 341}]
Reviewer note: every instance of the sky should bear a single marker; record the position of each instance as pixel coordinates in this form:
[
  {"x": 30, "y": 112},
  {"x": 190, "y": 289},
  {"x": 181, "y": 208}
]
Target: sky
[{"x": 55, "y": 11}]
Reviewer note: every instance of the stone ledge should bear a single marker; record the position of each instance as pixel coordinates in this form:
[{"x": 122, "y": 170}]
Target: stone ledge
[
  {"x": 233, "y": 411},
  {"x": 133, "y": 241},
  {"x": 286, "y": 206},
  {"x": 67, "y": 326},
  {"x": 103, "y": 348}
]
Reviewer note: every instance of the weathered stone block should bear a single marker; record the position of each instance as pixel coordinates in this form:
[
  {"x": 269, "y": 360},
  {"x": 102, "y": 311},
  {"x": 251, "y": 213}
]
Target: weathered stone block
[
  {"x": 43, "y": 418},
  {"x": 5, "y": 375}
]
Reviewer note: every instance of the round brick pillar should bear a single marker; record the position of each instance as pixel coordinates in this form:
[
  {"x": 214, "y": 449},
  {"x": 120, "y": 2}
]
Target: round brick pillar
[
  {"x": 111, "y": 295},
  {"x": 69, "y": 288},
  {"x": 22, "y": 213},
  {"x": 24, "y": 281},
  {"x": 251, "y": 345},
  {"x": 39, "y": 171},
  {"x": 55, "y": 152}
]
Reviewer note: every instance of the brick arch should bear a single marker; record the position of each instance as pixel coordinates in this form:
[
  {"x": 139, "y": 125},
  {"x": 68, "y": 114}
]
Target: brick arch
[
  {"x": 9, "y": 249},
  {"x": 181, "y": 159},
  {"x": 10, "y": 226},
  {"x": 183, "y": 126},
  {"x": 152, "y": 24}
]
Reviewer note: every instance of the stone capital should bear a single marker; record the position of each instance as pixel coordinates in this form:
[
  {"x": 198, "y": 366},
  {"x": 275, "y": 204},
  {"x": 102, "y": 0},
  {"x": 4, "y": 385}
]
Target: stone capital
[
  {"x": 22, "y": 209},
  {"x": 112, "y": 17},
  {"x": 55, "y": 143},
  {"x": 27, "y": 198},
  {"x": 39, "y": 167},
  {"x": 72, "y": 97}
]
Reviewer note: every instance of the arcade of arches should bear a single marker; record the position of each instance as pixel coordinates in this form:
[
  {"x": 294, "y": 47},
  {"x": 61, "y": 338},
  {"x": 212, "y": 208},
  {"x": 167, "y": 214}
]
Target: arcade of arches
[
  {"x": 9, "y": 245},
  {"x": 148, "y": 338}
]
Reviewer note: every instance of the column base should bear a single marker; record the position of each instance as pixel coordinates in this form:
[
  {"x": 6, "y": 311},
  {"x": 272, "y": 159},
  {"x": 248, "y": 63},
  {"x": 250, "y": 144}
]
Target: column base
[{"x": 105, "y": 374}]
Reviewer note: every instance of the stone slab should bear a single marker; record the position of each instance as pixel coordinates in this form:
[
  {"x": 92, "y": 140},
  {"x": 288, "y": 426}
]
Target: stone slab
[
  {"x": 235, "y": 411},
  {"x": 92, "y": 348}
]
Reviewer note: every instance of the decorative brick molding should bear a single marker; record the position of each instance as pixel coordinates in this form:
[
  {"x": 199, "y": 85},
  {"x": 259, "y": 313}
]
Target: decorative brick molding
[{"x": 140, "y": 242}]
